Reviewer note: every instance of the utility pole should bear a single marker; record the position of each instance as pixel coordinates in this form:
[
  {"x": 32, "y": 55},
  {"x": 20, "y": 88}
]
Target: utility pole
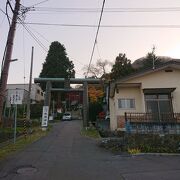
[
  {"x": 8, "y": 54},
  {"x": 30, "y": 85}
]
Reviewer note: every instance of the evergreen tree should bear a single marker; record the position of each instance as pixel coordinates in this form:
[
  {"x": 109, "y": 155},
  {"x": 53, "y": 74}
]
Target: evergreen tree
[
  {"x": 151, "y": 60},
  {"x": 57, "y": 65},
  {"x": 122, "y": 67}
]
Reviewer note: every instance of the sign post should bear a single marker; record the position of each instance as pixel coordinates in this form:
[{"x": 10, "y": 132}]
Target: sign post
[
  {"x": 15, "y": 99},
  {"x": 15, "y": 123}
]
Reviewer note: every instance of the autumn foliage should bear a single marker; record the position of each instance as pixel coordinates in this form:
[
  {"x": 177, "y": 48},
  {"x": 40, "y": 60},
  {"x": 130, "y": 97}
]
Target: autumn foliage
[{"x": 95, "y": 93}]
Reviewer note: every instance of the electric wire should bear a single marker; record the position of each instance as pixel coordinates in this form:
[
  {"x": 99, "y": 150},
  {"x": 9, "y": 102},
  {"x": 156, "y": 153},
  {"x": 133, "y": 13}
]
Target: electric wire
[
  {"x": 41, "y": 2},
  {"x": 174, "y": 26},
  {"x": 97, "y": 47},
  {"x": 7, "y": 2},
  {"x": 24, "y": 59},
  {"x": 2, "y": 11},
  {"x": 44, "y": 46},
  {"x": 33, "y": 36},
  {"x": 5, "y": 50},
  {"x": 106, "y": 10},
  {"x": 2, "y": 21},
  {"x": 39, "y": 34},
  {"x": 96, "y": 37}
]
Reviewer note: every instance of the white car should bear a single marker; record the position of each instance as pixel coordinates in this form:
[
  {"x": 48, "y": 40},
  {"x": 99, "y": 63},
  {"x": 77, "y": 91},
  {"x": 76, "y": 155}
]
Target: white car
[{"x": 67, "y": 116}]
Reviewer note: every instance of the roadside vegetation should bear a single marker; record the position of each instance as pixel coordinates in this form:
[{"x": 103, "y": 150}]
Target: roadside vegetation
[
  {"x": 21, "y": 142},
  {"x": 90, "y": 132},
  {"x": 142, "y": 143}
]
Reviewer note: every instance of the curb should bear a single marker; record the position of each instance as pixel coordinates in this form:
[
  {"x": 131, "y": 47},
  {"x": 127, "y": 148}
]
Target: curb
[{"x": 156, "y": 154}]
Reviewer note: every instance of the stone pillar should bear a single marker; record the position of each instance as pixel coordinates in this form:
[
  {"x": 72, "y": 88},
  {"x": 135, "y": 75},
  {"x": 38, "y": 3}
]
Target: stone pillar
[{"x": 47, "y": 98}]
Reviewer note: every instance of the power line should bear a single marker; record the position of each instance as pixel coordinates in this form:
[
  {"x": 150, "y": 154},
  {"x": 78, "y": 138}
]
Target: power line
[
  {"x": 97, "y": 47},
  {"x": 7, "y": 12},
  {"x": 96, "y": 37},
  {"x": 39, "y": 3},
  {"x": 106, "y": 26},
  {"x": 40, "y": 34},
  {"x": 2, "y": 11},
  {"x": 80, "y": 63},
  {"x": 107, "y": 10},
  {"x": 2, "y": 21},
  {"x": 33, "y": 36}
]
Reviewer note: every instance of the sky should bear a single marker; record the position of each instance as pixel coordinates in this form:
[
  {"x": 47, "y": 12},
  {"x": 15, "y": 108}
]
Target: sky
[{"x": 78, "y": 41}]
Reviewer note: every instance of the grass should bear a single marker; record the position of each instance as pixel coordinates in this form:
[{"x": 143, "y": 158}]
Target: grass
[
  {"x": 92, "y": 133},
  {"x": 22, "y": 142},
  {"x": 133, "y": 151}
]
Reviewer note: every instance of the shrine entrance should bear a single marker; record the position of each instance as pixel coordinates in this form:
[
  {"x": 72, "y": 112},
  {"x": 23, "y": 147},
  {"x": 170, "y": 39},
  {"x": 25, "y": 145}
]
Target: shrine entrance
[{"x": 67, "y": 82}]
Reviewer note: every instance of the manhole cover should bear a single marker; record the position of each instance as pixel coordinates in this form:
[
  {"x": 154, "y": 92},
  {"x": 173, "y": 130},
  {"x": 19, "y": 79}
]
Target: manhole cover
[{"x": 29, "y": 170}]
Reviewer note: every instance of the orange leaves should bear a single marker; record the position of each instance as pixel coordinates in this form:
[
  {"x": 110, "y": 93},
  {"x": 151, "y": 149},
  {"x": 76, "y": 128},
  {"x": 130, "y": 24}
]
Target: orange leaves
[{"x": 95, "y": 93}]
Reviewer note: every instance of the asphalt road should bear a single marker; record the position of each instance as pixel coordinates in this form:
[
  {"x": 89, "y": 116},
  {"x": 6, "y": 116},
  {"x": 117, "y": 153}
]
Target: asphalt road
[{"x": 65, "y": 155}]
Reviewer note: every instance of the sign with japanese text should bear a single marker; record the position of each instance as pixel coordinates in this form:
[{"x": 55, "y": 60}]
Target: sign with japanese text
[
  {"x": 45, "y": 116},
  {"x": 16, "y": 96}
]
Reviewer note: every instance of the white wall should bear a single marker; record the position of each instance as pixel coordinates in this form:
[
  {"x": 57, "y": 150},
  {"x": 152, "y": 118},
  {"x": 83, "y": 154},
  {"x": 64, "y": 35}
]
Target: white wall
[{"x": 162, "y": 79}]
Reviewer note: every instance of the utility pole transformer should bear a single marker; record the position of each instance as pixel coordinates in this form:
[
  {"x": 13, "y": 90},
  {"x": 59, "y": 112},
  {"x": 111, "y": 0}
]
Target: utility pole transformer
[{"x": 7, "y": 60}]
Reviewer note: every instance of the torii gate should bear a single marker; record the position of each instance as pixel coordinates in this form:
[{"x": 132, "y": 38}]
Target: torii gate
[{"x": 67, "y": 83}]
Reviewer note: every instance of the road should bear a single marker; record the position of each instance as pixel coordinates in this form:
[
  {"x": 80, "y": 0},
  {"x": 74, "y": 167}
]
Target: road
[{"x": 65, "y": 155}]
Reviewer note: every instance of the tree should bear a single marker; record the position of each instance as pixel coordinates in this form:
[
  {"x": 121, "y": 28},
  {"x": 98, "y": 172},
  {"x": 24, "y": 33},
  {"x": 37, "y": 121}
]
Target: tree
[
  {"x": 57, "y": 64},
  {"x": 98, "y": 70},
  {"x": 122, "y": 67},
  {"x": 95, "y": 93},
  {"x": 151, "y": 60}
]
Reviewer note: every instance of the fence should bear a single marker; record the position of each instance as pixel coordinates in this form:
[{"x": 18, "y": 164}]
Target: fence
[{"x": 152, "y": 123}]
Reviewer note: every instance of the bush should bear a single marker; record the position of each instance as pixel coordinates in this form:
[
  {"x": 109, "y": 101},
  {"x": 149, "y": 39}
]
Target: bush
[
  {"x": 36, "y": 110},
  {"x": 144, "y": 143},
  {"x": 8, "y": 133},
  {"x": 154, "y": 143},
  {"x": 94, "y": 109}
]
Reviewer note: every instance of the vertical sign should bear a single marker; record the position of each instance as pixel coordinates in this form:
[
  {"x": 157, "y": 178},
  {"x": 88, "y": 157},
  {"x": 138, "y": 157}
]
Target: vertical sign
[{"x": 45, "y": 116}]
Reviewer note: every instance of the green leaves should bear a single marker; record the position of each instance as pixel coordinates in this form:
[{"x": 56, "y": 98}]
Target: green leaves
[
  {"x": 122, "y": 67},
  {"x": 57, "y": 64}
]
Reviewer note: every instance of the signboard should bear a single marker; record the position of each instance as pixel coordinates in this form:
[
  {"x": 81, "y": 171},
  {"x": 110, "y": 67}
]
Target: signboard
[
  {"x": 16, "y": 96},
  {"x": 50, "y": 118},
  {"x": 45, "y": 116}
]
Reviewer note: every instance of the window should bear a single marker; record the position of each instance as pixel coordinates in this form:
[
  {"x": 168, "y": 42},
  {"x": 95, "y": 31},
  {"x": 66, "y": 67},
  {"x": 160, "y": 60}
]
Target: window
[
  {"x": 126, "y": 103},
  {"x": 158, "y": 104}
]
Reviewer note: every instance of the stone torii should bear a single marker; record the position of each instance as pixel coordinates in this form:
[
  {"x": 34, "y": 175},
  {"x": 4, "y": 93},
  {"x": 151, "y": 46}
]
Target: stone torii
[{"x": 67, "y": 83}]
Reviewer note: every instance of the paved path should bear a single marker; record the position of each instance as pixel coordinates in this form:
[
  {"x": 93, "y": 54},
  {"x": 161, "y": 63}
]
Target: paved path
[{"x": 65, "y": 155}]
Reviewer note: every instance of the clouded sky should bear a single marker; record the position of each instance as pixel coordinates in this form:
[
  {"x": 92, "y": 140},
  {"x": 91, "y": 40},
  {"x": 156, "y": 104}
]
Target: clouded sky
[{"x": 78, "y": 41}]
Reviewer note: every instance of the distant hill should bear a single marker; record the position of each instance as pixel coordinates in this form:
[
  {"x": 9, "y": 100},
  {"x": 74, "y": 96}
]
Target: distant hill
[{"x": 139, "y": 62}]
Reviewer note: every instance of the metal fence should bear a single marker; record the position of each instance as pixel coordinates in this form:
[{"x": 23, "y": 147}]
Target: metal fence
[
  {"x": 168, "y": 123},
  {"x": 153, "y": 117}
]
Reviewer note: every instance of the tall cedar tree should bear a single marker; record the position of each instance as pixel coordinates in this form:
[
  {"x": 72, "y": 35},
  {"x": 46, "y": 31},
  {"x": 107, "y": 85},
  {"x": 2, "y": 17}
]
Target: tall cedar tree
[
  {"x": 122, "y": 67},
  {"x": 57, "y": 65}
]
